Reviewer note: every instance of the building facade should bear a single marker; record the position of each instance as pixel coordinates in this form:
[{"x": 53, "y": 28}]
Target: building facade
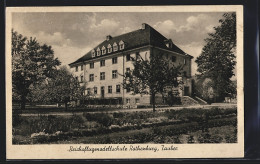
[{"x": 100, "y": 68}]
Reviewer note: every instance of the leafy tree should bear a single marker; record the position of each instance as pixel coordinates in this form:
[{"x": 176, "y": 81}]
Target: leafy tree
[
  {"x": 62, "y": 88},
  {"x": 31, "y": 63},
  {"x": 217, "y": 60},
  {"x": 151, "y": 76}
]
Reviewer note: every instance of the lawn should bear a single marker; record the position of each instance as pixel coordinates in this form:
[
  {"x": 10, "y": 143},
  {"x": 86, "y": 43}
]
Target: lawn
[{"x": 166, "y": 126}]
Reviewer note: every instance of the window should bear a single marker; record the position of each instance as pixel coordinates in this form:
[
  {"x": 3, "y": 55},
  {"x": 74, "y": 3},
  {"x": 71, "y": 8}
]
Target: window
[
  {"x": 128, "y": 90},
  {"x": 128, "y": 101},
  {"x": 91, "y": 65},
  {"x": 102, "y": 63},
  {"x": 109, "y": 89},
  {"x": 81, "y": 67},
  {"x": 103, "y": 50},
  {"x": 77, "y": 69},
  {"x": 128, "y": 57},
  {"x": 91, "y": 77},
  {"x": 121, "y": 45},
  {"x": 114, "y": 60},
  {"x": 81, "y": 78},
  {"x": 95, "y": 90},
  {"x": 114, "y": 74},
  {"x": 98, "y": 52},
  {"x": 77, "y": 78},
  {"x": 117, "y": 88},
  {"x": 127, "y": 69},
  {"x": 109, "y": 48},
  {"x": 93, "y": 53},
  {"x": 137, "y": 100},
  {"x": 173, "y": 58},
  {"x": 102, "y": 75},
  {"x": 115, "y": 47},
  {"x": 184, "y": 61},
  {"x": 88, "y": 91}
]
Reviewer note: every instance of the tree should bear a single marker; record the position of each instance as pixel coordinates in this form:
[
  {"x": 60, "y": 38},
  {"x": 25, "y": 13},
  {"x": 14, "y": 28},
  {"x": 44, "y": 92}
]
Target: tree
[
  {"x": 151, "y": 76},
  {"x": 217, "y": 60},
  {"x": 62, "y": 88},
  {"x": 31, "y": 63}
]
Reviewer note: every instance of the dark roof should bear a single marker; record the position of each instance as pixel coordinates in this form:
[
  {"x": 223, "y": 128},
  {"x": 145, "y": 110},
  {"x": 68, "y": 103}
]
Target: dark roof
[{"x": 134, "y": 39}]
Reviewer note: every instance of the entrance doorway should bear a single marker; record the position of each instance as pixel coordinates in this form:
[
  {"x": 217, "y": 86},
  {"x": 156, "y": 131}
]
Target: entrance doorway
[{"x": 186, "y": 91}]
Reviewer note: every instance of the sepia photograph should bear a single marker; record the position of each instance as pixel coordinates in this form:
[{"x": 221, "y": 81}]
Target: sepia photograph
[{"x": 125, "y": 80}]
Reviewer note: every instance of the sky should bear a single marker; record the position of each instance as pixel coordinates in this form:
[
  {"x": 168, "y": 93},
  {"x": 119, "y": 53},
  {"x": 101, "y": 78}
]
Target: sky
[{"x": 72, "y": 35}]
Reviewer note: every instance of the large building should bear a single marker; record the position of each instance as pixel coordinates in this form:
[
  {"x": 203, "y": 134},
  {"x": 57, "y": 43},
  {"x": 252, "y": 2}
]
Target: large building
[{"x": 100, "y": 68}]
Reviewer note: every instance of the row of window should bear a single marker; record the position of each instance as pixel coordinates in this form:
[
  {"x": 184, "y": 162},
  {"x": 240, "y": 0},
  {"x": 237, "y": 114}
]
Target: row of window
[
  {"x": 103, "y": 75},
  {"x": 109, "y": 89},
  {"x": 128, "y": 58},
  {"x": 103, "y": 62},
  {"x": 77, "y": 68},
  {"x": 137, "y": 101},
  {"x": 108, "y": 49}
]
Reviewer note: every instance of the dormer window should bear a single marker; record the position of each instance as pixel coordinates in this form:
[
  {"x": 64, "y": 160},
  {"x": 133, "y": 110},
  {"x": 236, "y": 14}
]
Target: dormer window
[
  {"x": 109, "y": 48},
  {"x": 93, "y": 53},
  {"x": 121, "y": 45},
  {"x": 115, "y": 47},
  {"x": 98, "y": 52},
  {"x": 104, "y": 51}
]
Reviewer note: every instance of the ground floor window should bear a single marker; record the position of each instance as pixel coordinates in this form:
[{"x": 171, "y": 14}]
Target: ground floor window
[
  {"x": 137, "y": 100},
  {"x": 109, "y": 89},
  {"x": 128, "y": 101},
  {"x": 117, "y": 88},
  {"x": 95, "y": 90}
]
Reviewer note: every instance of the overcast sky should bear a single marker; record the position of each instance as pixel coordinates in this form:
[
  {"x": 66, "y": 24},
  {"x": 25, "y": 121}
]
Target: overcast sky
[{"x": 73, "y": 34}]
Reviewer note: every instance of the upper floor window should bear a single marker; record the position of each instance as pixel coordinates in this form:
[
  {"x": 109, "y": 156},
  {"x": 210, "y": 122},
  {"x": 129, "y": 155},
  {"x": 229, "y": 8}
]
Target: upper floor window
[
  {"x": 103, "y": 50},
  {"x": 117, "y": 88},
  {"x": 98, "y": 52},
  {"x": 77, "y": 69},
  {"x": 81, "y": 67},
  {"x": 173, "y": 58},
  {"x": 114, "y": 60},
  {"x": 110, "y": 89},
  {"x": 102, "y": 76},
  {"x": 115, "y": 47},
  {"x": 91, "y": 65},
  {"x": 95, "y": 90},
  {"x": 114, "y": 74},
  {"x": 109, "y": 48},
  {"x": 102, "y": 63},
  {"x": 91, "y": 77},
  {"x": 77, "y": 78},
  {"x": 128, "y": 90},
  {"x": 128, "y": 57},
  {"x": 93, "y": 53},
  {"x": 121, "y": 45}
]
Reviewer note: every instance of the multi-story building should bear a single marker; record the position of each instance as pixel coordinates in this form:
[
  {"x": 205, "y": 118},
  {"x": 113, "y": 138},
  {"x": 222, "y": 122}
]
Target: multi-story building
[{"x": 100, "y": 68}]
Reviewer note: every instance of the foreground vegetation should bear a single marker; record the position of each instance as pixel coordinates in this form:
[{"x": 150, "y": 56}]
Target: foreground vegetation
[{"x": 167, "y": 126}]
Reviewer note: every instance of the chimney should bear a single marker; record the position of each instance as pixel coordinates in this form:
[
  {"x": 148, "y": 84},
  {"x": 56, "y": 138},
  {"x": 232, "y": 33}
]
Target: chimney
[
  {"x": 144, "y": 25},
  {"x": 109, "y": 37}
]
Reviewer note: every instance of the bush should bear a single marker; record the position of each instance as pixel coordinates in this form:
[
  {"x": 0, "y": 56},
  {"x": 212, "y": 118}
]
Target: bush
[{"x": 103, "y": 118}]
